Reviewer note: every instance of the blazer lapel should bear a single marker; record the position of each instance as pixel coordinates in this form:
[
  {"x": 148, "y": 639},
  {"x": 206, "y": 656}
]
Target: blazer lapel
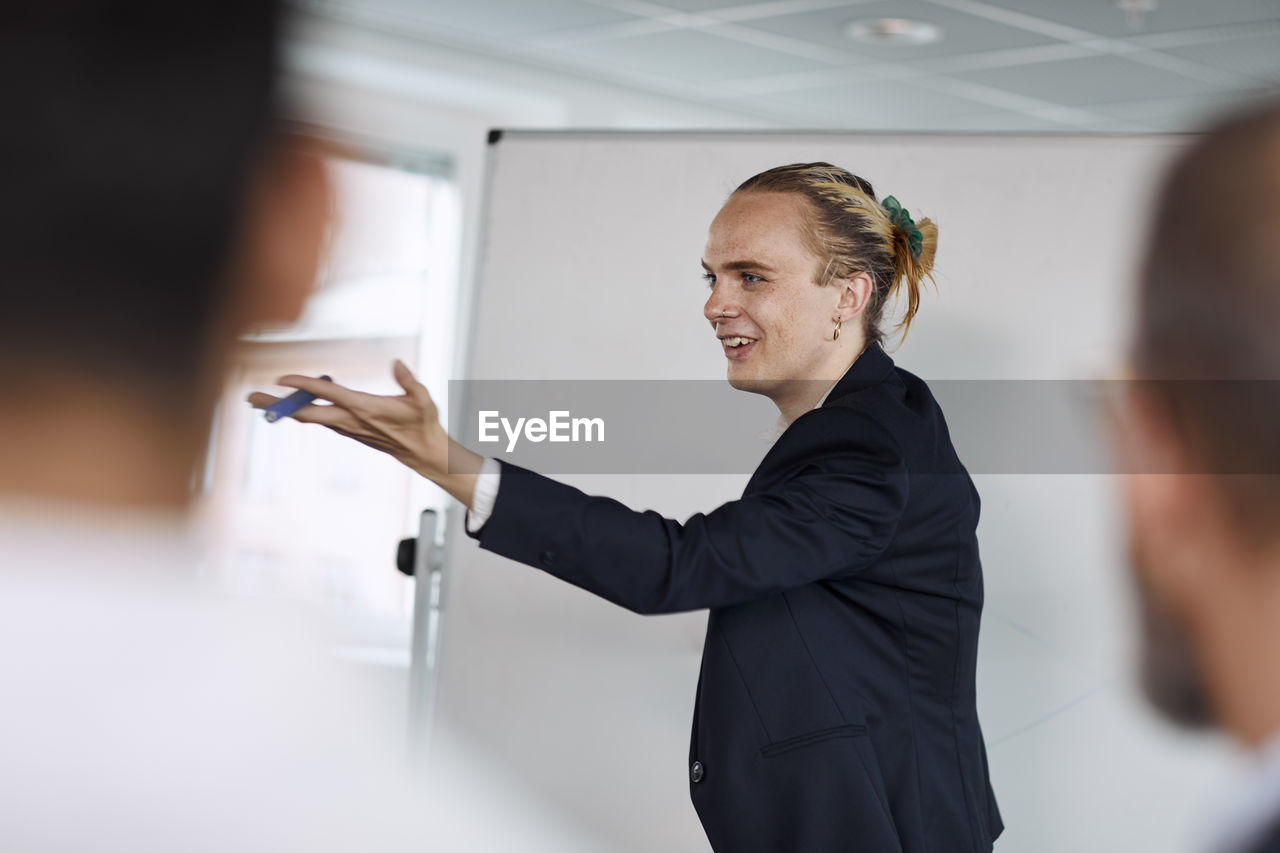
[{"x": 871, "y": 367}]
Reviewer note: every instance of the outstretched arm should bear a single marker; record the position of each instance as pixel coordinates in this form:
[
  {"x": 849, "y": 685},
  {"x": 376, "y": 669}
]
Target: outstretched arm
[{"x": 840, "y": 488}]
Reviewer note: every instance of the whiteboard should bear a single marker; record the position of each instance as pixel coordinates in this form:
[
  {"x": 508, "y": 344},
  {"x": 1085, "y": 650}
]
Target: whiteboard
[{"x": 590, "y": 270}]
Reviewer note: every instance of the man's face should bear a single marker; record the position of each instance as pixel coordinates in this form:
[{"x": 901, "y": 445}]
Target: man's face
[{"x": 772, "y": 317}]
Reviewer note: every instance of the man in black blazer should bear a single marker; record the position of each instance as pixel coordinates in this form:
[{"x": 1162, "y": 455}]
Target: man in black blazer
[
  {"x": 1198, "y": 435},
  {"x": 836, "y": 707}
]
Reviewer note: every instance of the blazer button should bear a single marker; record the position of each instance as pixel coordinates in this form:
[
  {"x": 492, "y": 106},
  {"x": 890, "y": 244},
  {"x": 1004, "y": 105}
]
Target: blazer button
[
  {"x": 696, "y": 772},
  {"x": 547, "y": 558}
]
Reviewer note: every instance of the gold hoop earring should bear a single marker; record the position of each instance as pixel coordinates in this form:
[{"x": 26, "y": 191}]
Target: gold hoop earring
[{"x": 835, "y": 336}]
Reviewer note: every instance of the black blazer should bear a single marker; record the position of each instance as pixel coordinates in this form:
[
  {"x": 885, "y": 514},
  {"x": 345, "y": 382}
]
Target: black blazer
[{"x": 836, "y": 708}]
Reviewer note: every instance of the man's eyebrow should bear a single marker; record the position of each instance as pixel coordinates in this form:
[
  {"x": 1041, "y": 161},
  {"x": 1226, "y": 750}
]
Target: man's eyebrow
[{"x": 743, "y": 265}]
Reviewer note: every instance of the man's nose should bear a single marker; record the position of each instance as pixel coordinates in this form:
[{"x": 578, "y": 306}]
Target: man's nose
[{"x": 719, "y": 304}]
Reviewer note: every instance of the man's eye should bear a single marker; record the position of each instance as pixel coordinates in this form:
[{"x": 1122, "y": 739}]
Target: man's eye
[
  {"x": 709, "y": 278},
  {"x": 751, "y": 278}
]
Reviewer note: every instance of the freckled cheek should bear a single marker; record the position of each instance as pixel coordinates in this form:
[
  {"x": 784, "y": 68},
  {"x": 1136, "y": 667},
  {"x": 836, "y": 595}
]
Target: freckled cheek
[{"x": 789, "y": 328}]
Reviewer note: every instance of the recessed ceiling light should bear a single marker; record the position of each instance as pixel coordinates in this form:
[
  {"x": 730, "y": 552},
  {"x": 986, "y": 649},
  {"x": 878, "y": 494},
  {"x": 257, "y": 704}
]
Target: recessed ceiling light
[
  {"x": 1136, "y": 10},
  {"x": 901, "y": 31}
]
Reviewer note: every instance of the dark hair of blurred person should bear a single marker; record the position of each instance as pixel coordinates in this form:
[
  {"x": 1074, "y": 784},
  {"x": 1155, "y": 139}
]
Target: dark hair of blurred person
[
  {"x": 1199, "y": 441},
  {"x": 151, "y": 212}
]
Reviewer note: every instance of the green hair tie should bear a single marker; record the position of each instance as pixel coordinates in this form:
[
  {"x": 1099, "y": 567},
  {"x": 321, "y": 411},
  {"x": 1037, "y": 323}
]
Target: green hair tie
[{"x": 899, "y": 217}]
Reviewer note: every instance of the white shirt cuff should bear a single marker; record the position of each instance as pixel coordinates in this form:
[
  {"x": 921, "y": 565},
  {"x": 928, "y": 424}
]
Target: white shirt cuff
[{"x": 486, "y": 492}]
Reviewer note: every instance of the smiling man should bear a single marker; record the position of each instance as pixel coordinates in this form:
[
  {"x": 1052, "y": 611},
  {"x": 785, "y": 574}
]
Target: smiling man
[{"x": 836, "y": 708}]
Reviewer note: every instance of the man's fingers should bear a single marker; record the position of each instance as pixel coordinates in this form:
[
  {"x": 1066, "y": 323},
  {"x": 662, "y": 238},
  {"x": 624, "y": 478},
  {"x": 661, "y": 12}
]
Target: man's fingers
[
  {"x": 324, "y": 389},
  {"x": 334, "y": 417},
  {"x": 330, "y": 416},
  {"x": 404, "y": 376},
  {"x": 404, "y": 426}
]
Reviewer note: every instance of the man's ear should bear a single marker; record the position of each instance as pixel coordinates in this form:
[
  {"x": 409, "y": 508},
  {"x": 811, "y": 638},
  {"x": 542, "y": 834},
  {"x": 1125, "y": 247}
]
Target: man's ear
[
  {"x": 1163, "y": 497},
  {"x": 285, "y": 232},
  {"x": 855, "y": 295}
]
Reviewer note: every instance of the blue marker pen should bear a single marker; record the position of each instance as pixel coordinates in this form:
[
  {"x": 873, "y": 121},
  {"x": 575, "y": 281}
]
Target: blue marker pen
[{"x": 287, "y": 406}]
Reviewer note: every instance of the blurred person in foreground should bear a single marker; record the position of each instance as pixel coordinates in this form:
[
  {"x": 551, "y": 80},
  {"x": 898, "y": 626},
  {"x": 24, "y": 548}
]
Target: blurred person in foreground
[
  {"x": 1200, "y": 440},
  {"x": 153, "y": 210}
]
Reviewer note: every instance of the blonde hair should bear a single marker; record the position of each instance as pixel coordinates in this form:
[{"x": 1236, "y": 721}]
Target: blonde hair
[{"x": 851, "y": 232}]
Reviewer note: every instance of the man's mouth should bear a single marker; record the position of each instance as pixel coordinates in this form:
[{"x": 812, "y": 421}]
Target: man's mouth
[{"x": 737, "y": 346}]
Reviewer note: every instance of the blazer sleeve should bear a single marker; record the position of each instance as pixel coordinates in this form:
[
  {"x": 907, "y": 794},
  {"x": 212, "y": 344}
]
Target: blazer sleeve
[{"x": 833, "y": 510}]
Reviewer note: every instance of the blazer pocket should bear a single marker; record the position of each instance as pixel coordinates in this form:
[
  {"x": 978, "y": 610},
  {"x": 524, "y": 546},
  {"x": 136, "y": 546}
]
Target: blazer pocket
[{"x": 804, "y": 740}]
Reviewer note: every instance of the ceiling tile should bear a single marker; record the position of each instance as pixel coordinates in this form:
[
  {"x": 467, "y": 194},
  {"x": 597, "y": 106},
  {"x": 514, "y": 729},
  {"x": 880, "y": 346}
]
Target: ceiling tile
[
  {"x": 687, "y": 55},
  {"x": 499, "y": 18},
  {"x": 699, "y": 5},
  {"x": 1085, "y": 82},
  {"x": 962, "y": 33},
  {"x": 780, "y": 84},
  {"x": 883, "y": 105},
  {"x": 1257, "y": 57},
  {"x": 1104, "y": 17}
]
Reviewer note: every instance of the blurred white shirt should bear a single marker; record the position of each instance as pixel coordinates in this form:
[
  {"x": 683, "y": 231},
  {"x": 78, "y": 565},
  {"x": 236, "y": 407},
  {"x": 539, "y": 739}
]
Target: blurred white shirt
[{"x": 144, "y": 713}]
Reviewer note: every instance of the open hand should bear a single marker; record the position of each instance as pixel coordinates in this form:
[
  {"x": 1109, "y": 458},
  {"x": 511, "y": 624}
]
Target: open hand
[{"x": 406, "y": 427}]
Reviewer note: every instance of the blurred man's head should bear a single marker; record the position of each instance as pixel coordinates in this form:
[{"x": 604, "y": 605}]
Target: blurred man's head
[
  {"x": 151, "y": 210},
  {"x": 1202, "y": 433}
]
